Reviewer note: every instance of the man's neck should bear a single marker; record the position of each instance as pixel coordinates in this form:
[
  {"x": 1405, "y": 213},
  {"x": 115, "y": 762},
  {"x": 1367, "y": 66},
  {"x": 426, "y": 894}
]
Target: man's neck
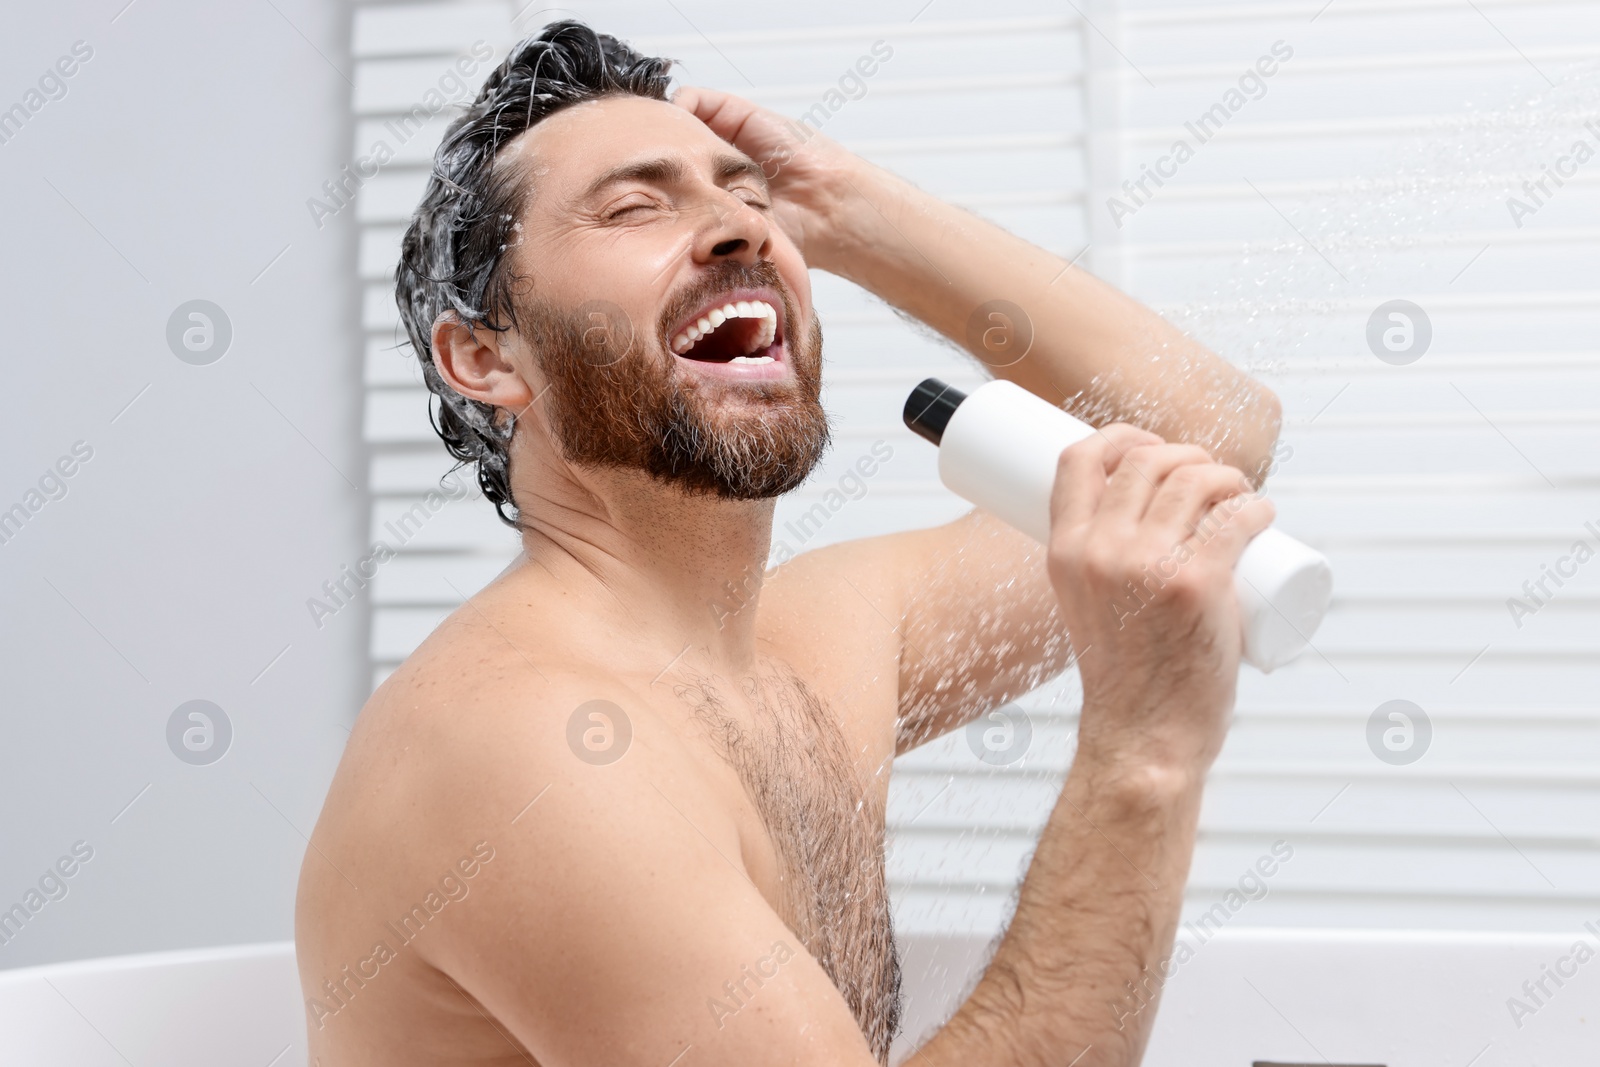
[{"x": 661, "y": 569}]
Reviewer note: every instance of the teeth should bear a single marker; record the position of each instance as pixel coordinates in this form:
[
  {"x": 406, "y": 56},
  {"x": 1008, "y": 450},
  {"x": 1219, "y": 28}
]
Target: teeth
[{"x": 741, "y": 309}]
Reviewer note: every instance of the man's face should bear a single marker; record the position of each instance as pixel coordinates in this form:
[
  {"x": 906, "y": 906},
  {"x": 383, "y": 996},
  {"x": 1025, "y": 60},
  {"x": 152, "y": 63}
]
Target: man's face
[{"x": 668, "y": 317}]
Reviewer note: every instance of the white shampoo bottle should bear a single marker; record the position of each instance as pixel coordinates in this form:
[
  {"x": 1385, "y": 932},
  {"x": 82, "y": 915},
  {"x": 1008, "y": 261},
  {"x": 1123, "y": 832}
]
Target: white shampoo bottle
[{"x": 998, "y": 448}]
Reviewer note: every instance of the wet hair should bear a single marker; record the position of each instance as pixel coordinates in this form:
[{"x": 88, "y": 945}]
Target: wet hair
[{"x": 453, "y": 255}]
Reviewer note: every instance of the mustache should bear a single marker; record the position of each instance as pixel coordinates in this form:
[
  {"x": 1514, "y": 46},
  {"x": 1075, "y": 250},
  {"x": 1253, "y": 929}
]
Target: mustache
[{"x": 720, "y": 278}]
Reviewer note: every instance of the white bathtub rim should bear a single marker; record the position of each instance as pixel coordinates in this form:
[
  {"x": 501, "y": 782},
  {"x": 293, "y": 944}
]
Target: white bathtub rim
[{"x": 255, "y": 950}]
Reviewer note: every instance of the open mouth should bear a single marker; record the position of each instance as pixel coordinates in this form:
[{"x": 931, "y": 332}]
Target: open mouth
[{"x": 737, "y": 332}]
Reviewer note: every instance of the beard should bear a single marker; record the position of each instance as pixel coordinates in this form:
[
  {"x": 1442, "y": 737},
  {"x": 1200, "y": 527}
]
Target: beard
[{"x": 618, "y": 398}]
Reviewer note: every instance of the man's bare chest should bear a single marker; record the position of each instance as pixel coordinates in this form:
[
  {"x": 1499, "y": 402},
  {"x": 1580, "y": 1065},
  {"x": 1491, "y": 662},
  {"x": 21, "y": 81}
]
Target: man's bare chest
[{"x": 816, "y": 847}]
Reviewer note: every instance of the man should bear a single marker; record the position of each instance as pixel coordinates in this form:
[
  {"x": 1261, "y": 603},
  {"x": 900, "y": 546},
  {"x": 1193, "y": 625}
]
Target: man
[{"x": 600, "y": 818}]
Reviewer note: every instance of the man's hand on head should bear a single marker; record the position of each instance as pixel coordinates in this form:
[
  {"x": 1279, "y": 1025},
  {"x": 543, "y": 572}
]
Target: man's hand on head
[{"x": 809, "y": 174}]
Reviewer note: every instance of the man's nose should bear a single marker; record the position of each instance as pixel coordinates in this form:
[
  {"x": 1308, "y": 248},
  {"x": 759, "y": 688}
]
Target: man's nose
[{"x": 733, "y": 230}]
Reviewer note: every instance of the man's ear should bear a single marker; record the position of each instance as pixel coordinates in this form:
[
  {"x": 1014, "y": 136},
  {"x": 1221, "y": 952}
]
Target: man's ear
[{"x": 474, "y": 364}]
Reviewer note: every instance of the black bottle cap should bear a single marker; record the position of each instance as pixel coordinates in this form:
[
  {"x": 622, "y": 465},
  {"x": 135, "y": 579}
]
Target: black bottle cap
[{"x": 929, "y": 407}]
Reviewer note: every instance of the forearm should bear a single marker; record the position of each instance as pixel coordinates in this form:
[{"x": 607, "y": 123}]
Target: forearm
[
  {"x": 1097, "y": 914},
  {"x": 1102, "y": 353}
]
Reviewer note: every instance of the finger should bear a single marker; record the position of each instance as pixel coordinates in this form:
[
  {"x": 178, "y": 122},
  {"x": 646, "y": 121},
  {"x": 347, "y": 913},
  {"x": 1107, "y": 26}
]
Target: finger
[
  {"x": 724, "y": 113},
  {"x": 1142, "y": 473},
  {"x": 1189, "y": 491},
  {"x": 1229, "y": 525},
  {"x": 1124, "y": 438},
  {"x": 1082, "y": 470},
  {"x": 692, "y": 98}
]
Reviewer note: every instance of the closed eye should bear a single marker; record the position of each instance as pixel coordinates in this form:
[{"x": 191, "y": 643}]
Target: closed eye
[{"x": 627, "y": 208}]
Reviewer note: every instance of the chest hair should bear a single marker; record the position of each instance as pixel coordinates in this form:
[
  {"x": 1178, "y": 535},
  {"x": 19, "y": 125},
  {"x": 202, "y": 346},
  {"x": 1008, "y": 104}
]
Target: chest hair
[{"x": 826, "y": 825}]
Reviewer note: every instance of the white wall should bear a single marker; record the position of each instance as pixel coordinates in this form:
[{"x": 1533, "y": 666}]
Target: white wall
[{"x": 178, "y": 564}]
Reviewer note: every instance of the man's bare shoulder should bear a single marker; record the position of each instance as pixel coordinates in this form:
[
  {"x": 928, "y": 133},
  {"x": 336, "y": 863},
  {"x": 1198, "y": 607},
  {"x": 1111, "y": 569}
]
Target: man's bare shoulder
[
  {"x": 459, "y": 743},
  {"x": 474, "y": 718}
]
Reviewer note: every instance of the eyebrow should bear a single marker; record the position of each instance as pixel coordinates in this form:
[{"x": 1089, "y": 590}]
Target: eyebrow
[{"x": 666, "y": 170}]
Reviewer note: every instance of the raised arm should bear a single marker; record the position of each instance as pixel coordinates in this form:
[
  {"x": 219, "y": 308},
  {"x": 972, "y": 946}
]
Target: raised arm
[{"x": 1077, "y": 342}]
